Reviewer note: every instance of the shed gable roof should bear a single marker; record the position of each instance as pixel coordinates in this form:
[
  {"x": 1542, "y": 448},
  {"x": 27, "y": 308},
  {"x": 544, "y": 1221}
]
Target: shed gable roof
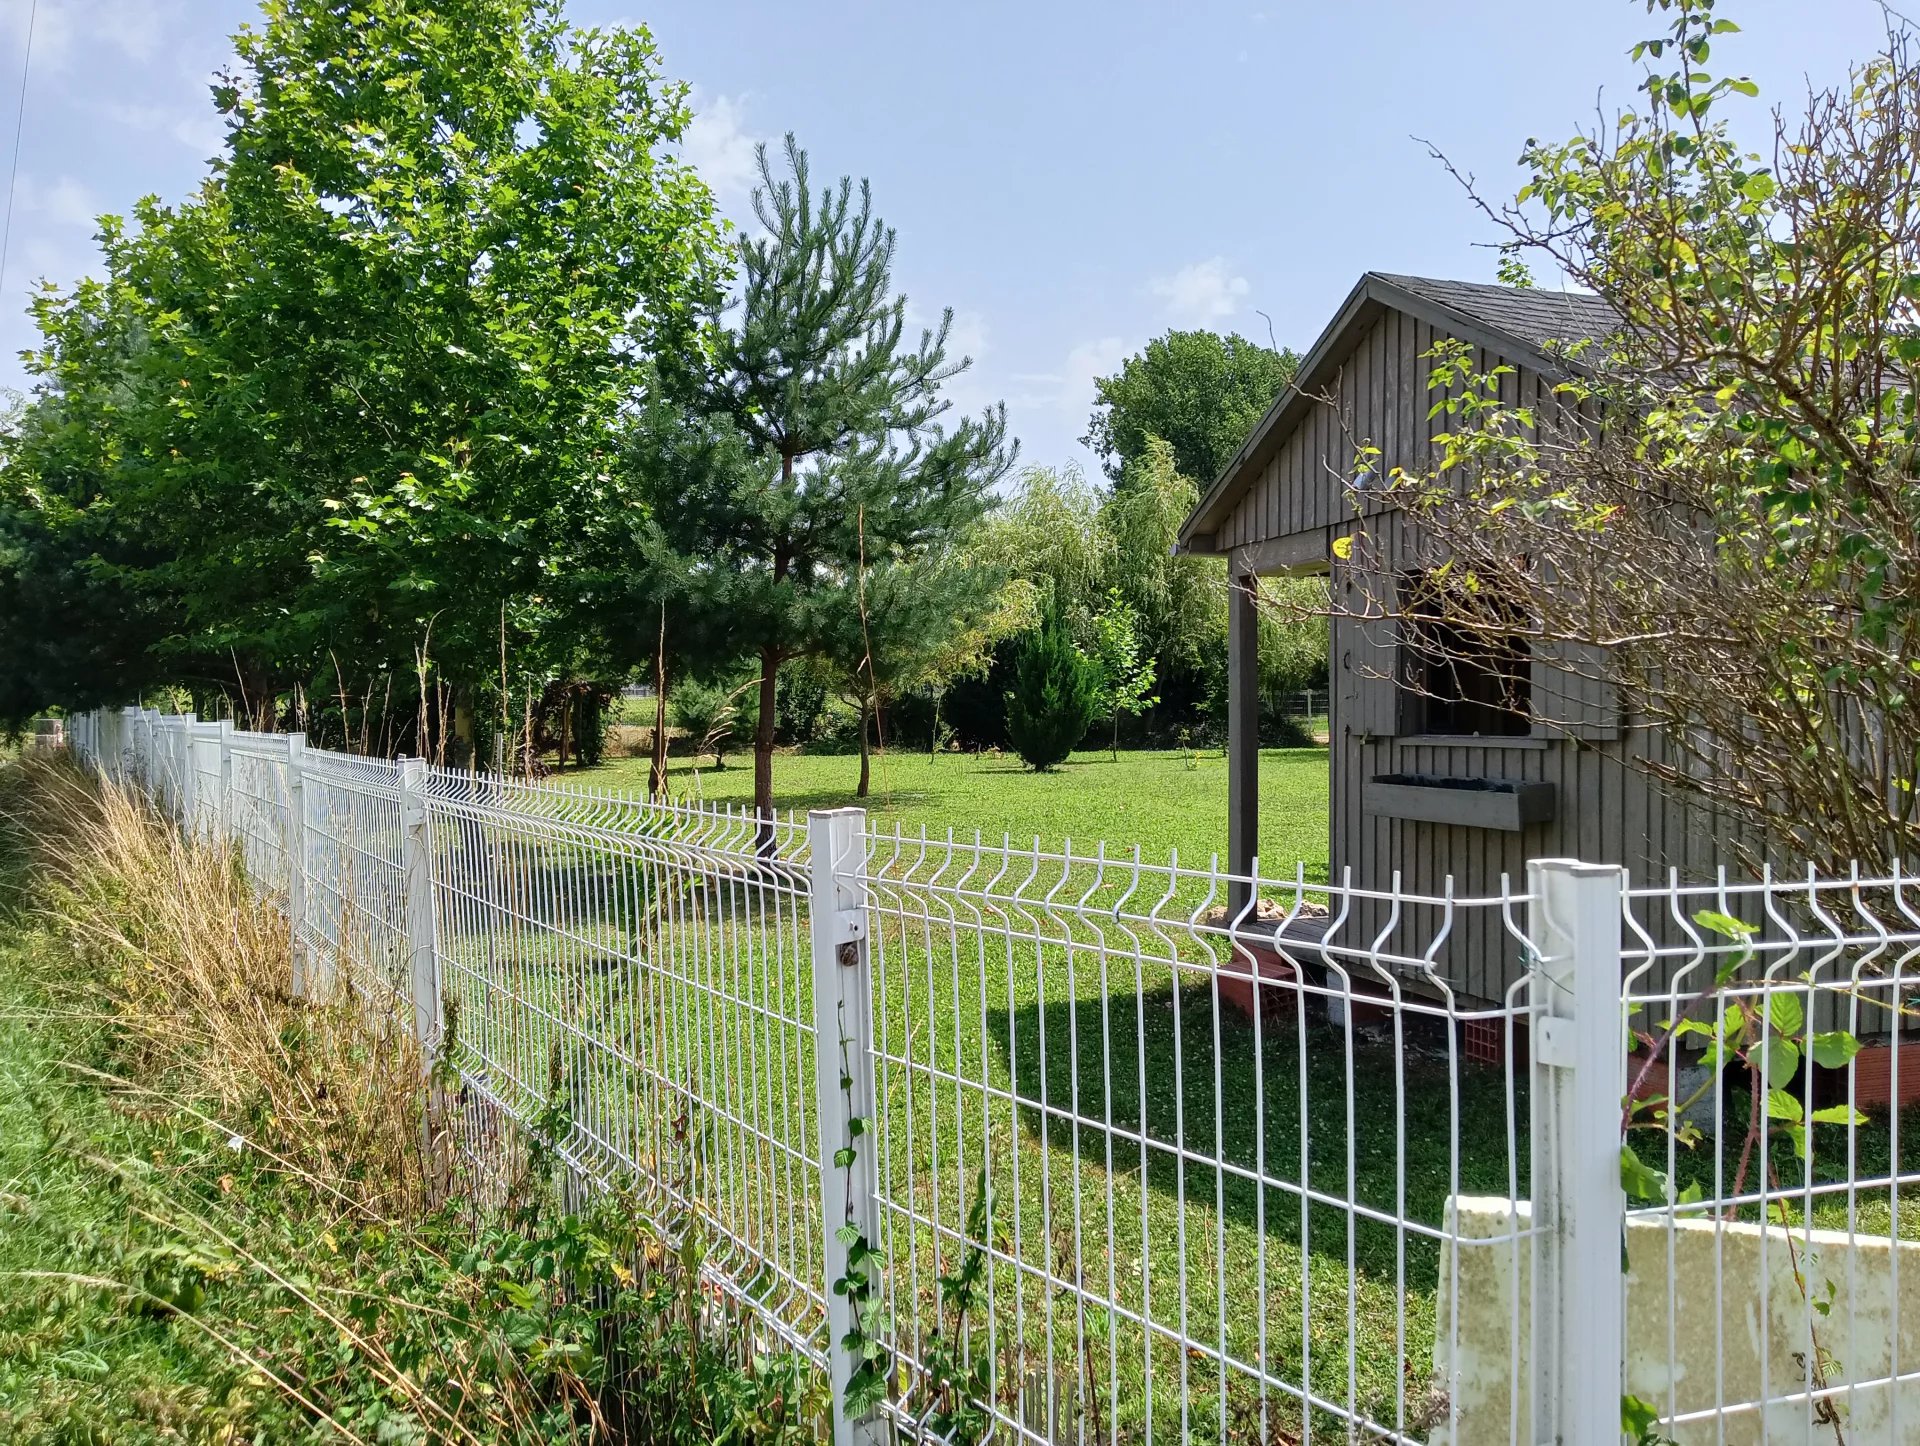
[{"x": 1521, "y": 324}]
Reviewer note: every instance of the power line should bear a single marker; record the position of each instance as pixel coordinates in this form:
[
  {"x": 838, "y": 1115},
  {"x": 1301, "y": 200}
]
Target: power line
[{"x": 19, "y": 122}]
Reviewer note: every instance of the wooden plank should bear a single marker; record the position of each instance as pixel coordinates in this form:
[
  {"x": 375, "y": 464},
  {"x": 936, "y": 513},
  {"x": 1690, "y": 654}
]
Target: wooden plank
[{"x": 1288, "y": 553}]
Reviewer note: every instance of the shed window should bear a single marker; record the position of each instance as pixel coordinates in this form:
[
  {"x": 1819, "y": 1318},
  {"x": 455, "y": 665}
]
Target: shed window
[{"x": 1462, "y": 673}]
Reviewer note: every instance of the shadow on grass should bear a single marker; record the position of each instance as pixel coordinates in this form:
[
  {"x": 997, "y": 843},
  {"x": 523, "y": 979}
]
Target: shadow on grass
[{"x": 1377, "y": 1122}]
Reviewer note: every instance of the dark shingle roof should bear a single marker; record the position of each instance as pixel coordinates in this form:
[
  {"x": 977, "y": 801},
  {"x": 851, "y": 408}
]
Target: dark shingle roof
[
  {"x": 1528, "y": 325},
  {"x": 1533, "y": 315}
]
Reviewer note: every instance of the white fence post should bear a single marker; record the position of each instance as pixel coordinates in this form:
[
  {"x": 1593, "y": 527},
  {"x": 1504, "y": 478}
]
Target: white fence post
[
  {"x": 185, "y": 791},
  {"x": 295, "y": 839},
  {"x": 1579, "y": 1209},
  {"x": 843, "y": 1072},
  {"x": 226, "y": 780},
  {"x": 416, "y": 854}
]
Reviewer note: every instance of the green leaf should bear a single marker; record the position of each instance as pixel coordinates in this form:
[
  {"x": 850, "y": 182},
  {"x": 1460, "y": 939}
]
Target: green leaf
[
  {"x": 1781, "y": 1058},
  {"x": 1834, "y": 1049},
  {"x": 1785, "y": 1014},
  {"x": 1637, "y": 1418},
  {"x": 1783, "y": 1106},
  {"x": 1838, "y": 1115},
  {"x": 1639, "y": 1179},
  {"x": 843, "y": 1157},
  {"x": 521, "y": 1329},
  {"x": 1724, "y": 925}
]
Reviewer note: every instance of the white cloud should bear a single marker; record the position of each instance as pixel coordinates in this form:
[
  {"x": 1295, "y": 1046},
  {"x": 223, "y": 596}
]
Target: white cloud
[
  {"x": 1086, "y": 361},
  {"x": 1201, "y": 292},
  {"x": 967, "y": 337},
  {"x": 66, "y": 31},
  {"x": 1068, "y": 388},
  {"x": 199, "y": 127},
  {"x": 134, "y": 26},
  {"x": 63, "y": 201},
  {"x": 38, "y": 258},
  {"x": 719, "y": 146}
]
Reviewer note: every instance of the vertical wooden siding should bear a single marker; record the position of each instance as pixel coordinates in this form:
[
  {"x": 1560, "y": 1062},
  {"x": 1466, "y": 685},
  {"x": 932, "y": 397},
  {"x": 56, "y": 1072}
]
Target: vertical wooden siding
[{"x": 1608, "y": 811}]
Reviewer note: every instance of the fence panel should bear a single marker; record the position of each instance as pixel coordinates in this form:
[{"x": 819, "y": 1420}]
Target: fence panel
[
  {"x": 1774, "y": 1275},
  {"x": 1141, "y": 1167},
  {"x": 1201, "y": 1161},
  {"x": 635, "y": 976}
]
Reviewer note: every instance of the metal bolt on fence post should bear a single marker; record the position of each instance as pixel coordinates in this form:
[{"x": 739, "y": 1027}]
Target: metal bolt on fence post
[
  {"x": 843, "y": 1072},
  {"x": 304, "y": 985},
  {"x": 416, "y": 853},
  {"x": 1579, "y": 1209}
]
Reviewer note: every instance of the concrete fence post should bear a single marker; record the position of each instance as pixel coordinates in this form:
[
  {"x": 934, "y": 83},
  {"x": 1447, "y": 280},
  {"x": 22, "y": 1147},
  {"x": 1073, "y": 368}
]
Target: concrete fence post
[
  {"x": 416, "y": 854},
  {"x": 1579, "y": 1209},
  {"x": 843, "y": 1076}
]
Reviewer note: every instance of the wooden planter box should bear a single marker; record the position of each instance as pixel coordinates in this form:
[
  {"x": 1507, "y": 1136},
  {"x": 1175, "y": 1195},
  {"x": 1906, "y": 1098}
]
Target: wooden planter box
[{"x": 1498, "y": 803}]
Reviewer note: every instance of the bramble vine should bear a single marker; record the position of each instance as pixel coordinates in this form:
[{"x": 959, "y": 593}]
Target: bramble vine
[
  {"x": 960, "y": 1368},
  {"x": 866, "y": 1386}
]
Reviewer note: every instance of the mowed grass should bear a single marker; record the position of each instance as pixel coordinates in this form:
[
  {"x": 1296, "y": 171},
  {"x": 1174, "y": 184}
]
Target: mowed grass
[{"x": 1159, "y": 800}]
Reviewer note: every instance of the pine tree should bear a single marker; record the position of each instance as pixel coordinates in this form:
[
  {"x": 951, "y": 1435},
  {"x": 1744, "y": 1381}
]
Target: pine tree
[
  {"x": 840, "y": 458},
  {"x": 1055, "y": 695}
]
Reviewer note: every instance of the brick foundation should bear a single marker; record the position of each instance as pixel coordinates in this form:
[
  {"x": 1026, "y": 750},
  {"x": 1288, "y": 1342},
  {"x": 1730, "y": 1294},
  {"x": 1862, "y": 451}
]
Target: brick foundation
[
  {"x": 1485, "y": 1041},
  {"x": 1873, "y": 1075},
  {"x": 1273, "y": 981}
]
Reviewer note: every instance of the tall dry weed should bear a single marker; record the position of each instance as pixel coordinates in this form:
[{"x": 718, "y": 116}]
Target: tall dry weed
[{"x": 189, "y": 975}]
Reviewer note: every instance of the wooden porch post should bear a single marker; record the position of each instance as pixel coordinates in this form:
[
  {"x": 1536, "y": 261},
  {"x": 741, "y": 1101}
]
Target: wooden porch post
[{"x": 1243, "y": 735}]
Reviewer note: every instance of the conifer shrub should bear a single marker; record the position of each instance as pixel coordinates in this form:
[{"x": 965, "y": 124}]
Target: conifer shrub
[{"x": 1055, "y": 696}]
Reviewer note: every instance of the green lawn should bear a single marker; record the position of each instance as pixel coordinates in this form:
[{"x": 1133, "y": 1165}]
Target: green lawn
[{"x": 1158, "y": 800}]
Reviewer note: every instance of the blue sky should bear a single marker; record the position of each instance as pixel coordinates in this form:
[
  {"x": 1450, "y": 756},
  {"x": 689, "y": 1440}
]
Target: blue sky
[{"x": 1071, "y": 178}]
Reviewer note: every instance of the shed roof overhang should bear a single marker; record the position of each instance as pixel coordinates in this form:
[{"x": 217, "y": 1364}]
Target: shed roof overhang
[{"x": 1374, "y": 293}]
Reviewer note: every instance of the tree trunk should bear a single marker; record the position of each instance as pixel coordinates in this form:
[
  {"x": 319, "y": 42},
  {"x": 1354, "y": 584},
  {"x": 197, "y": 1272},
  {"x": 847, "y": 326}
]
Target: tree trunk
[
  {"x": 566, "y": 729},
  {"x": 763, "y": 746},
  {"x": 866, "y": 753},
  {"x": 769, "y": 681},
  {"x": 657, "y": 773}
]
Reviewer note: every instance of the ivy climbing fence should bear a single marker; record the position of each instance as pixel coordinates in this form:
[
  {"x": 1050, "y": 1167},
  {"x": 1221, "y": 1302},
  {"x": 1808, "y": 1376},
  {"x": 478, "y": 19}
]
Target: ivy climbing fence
[{"x": 1051, "y": 1145}]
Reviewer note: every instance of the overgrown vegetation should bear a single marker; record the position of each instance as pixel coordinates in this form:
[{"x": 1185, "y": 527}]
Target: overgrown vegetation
[
  {"x": 1733, "y": 555},
  {"x": 224, "y": 1220}
]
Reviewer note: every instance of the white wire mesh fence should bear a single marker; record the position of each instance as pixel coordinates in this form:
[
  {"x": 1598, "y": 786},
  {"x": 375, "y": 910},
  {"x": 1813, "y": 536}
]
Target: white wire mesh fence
[{"x": 1059, "y": 1146}]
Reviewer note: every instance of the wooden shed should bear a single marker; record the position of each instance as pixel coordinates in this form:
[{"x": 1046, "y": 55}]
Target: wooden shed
[{"x": 1424, "y": 785}]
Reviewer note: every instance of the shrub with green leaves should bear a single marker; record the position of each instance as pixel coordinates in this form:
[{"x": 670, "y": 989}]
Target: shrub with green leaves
[
  {"x": 710, "y": 716},
  {"x": 1055, "y": 695}
]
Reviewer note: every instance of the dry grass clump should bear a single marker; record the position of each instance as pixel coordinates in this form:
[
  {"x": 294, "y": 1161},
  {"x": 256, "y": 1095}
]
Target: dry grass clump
[
  {"x": 189, "y": 972},
  {"x": 230, "y": 1230}
]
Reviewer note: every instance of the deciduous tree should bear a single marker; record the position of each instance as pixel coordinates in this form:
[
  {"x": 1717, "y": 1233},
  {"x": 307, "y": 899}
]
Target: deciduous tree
[{"x": 1198, "y": 391}]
